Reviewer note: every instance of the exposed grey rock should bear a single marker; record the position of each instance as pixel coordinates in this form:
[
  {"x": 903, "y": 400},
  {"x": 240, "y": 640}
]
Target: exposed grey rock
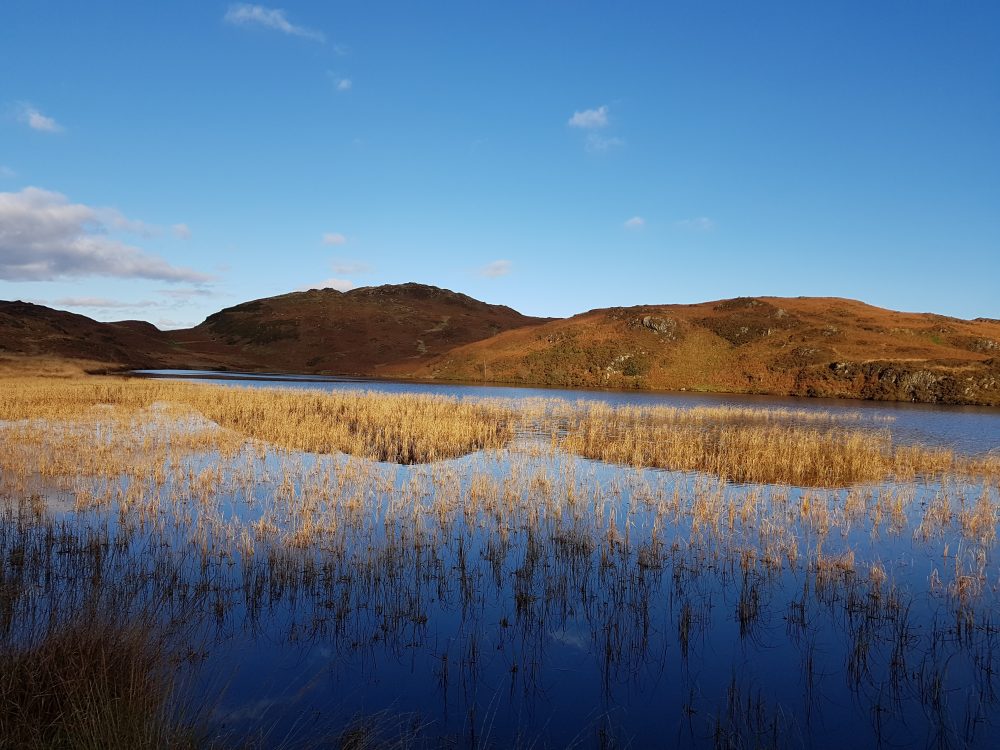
[{"x": 667, "y": 326}]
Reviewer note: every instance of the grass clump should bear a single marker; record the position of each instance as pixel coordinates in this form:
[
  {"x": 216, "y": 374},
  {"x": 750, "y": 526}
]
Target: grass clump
[
  {"x": 404, "y": 429},
  {"x": 97, "y": 681},
  {"x": 755, "y": 446}
]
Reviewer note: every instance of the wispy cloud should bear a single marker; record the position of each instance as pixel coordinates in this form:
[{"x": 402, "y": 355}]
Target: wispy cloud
[
  {"x": 334, "y": 238},
  {"x": 116, "y": 220},
  {"x": 636, "y": 222},
  {"x": 187, "y": 293},
  {"x": 590, "y": 119},
  {"x": 44, "y": 237},
  {"x": 349, "y": 267},
  {"x": 699, "y": 224},
  {"x": 170, "y": 323},
  {"x": 495, "y": 269},
  {"x": 245, "y": 14},
  {"x": 102, "y": 303},
  {"x": 340, "y": 83},
  {"x": 34, "y": 119},
  {"x": 341, "y": 285},
  {"x": 596, "y": 143},
  {"x": 181, "y": 231},
  {"x": 6, "y": 172}
]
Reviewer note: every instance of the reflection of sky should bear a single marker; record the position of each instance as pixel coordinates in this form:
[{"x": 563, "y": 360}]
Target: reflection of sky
[
  {"x": 596, "y": 644},
  {"x": 549, "y": 670}
]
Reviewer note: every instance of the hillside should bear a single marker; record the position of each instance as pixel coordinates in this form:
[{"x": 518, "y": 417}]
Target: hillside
[
  {"x": 30, "y": 330},
  {"x": 346, "y": 333},
  {"x": 797, "y": 346}
]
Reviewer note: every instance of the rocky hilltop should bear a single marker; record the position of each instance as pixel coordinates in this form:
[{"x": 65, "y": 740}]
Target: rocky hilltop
[{"x": 792, "y": 346}]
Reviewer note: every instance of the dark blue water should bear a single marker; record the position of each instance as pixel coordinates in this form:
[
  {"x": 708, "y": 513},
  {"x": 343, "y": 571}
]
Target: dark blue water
[{"x": 531, "y": 598}]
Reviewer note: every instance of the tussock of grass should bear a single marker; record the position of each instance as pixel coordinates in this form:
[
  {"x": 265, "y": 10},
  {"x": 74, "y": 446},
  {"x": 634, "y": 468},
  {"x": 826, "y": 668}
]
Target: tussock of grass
[{"x": 98, "y": 681}]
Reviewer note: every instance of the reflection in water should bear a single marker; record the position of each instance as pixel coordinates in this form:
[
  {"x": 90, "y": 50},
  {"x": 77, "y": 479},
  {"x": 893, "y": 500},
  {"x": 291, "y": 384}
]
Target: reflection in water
[{"x": 521, "y": 595}]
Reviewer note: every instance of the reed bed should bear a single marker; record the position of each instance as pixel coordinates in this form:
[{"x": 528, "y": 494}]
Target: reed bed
[
  {"x": 402, "y": 429},
  {"x": 775, "y": 446},
  {"x": 756, "y": 446},
  {"x": 200, "y": 496}
]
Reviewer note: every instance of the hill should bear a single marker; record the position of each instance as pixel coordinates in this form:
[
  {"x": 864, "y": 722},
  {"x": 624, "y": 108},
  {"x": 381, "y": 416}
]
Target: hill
[
  {"x": 29, "y": 330},
  {"x": 359, "y": 332},
  {"x": 796, "y": 346}
]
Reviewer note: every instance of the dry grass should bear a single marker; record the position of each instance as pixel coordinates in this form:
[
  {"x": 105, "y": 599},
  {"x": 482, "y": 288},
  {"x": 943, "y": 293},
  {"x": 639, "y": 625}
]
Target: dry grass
[
  {"x": 14, "y": 366},
  {"x": 804, "y": 449},
  {"x": 403, "y": 429},
  {"x": 353, "y": 546},
  {"x": 103, "y": 679}
]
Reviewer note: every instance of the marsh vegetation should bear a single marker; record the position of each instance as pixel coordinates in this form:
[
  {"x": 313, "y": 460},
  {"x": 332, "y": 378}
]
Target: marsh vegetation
[{"x": 201, "y": 565}]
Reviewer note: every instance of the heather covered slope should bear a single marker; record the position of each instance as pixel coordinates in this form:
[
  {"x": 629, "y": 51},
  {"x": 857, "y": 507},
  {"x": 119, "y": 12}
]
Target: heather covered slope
[
  {"x": 782, "y": 346},
  {"x": 357, "y": 332},
  {"x": 320, "y": 331},
  {"x": 797, "y": 346},
  {"x": 29, "y": 330}
]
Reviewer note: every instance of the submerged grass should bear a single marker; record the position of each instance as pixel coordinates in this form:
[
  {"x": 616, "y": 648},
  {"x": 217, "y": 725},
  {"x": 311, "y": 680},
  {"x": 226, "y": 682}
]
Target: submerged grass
[
  {"x": 203, "y": 498},
  {"x": 89, "y": 658}
]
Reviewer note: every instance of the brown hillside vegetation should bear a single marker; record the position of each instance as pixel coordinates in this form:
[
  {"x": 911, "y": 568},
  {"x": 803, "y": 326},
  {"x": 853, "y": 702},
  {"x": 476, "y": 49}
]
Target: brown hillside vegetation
[
  {"x": 347, "y": 333},
  {"x": 317, "y": 332},
  {"x": 29, "y": 330},
  {"x": 797, "y": 346}
]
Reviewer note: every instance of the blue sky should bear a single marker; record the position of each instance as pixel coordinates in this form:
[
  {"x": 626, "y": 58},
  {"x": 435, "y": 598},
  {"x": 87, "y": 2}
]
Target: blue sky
[{"x": 163, "y": 160}]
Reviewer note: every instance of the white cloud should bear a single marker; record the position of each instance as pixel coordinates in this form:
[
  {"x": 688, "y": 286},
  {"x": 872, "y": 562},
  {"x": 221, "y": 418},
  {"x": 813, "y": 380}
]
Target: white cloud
[
  {"x": 334, "y": 238},
  {"x": 35, "y": 120},
  {"x": 44, "y": 237},
  {"x": 598, "y": 143},
  {"x": 341, "y": 285},
  {"x": 187, "y": 293},
  {"x": 495, "y": 269},
  {"x": 699, "y": 223},
  {"x": 7, "y": 172},
  {"x": 181, "y": 231},
  {"x": 102, "y": 303},
  {"x": 636, "y": 222},
  {"x": 348, "y": 267},
  {"x": 590, "y": 119},
  {"x": 167, "y": 323},
  {"x": 244, "y": 14}
]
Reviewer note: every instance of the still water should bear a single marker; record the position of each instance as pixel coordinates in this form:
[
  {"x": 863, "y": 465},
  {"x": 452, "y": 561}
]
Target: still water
[
  {"x": 969, "y": 429},
  {"x": 525, "y": 597}
]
